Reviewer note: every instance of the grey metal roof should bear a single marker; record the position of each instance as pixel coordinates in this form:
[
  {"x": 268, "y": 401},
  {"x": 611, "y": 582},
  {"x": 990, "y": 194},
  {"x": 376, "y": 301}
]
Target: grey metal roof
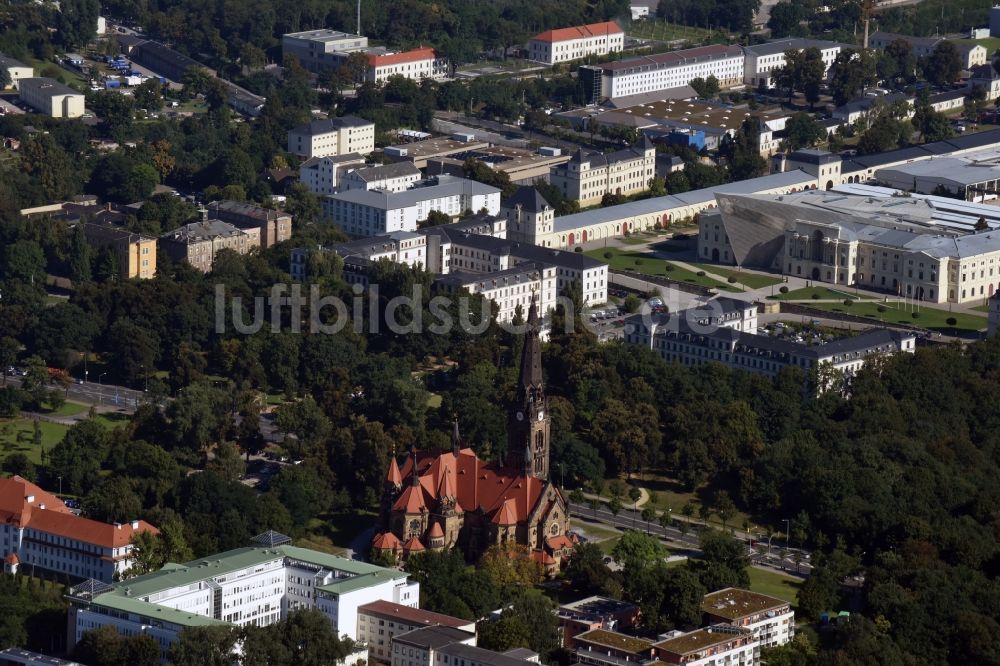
[
  {"x": 394, "y": 170},
  {"x": 7, "y": 61},
  {"x": 330, "y": 125},
  {"x": 528, "y": 198},
  {"x": 447, "y": 186},
  {"x": 782, "y": 45},
  {"x": 814, "y": 156},
  {"x": 432, "y": 637},
  {"x": 200, "y": 231},
  {"x": 526, "y": 251},
  {"x": 47, "y": 87},
  {"x": 476, "y": 655},
  {"x": 462, "y": 278}
]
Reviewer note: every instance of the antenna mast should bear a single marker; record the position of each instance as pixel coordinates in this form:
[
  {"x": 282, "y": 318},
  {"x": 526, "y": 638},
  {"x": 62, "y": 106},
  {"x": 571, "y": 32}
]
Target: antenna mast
[{"x": 359, "y": 21}]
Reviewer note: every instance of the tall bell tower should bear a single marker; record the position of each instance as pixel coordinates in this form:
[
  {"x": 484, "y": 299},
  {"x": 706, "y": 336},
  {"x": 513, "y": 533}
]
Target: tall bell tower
[{"x": 528, "y": 425}]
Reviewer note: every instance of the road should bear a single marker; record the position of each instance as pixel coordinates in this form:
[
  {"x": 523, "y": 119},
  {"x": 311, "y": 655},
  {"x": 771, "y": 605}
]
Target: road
[
  {"x": 98, "y": 394},
  {"x": 628, "y": 519}
]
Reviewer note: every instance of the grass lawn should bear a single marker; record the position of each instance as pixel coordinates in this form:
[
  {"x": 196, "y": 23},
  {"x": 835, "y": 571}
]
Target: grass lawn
[
  {"x": 671, "y": 496},
  {"x": 752, "y": 280},
  {"x": 17, "y": 436},
  {"x": 931, "y": 318},
  {"x": 434, "y": 401},
  {"x": 70, "y": 409},
  {"x": 982, "y": 308},
  {"x": 594, "y": 531},
  {"x": 112, "y": 420},
  {"x": 333, "y": 533},
  {"x": 991, "y": 43},
  {"x": 806, "y": 294},
  {"x": 647, "y": 264},
  {"x": 774, "y": 584},
  {"x": 667, "y": 32}
]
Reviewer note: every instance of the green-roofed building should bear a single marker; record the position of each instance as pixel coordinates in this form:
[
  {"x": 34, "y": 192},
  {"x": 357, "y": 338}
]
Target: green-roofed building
[{"x": 257, "y": 585}]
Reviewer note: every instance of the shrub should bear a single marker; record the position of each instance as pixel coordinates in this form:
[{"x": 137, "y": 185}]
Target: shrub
[
  {"x": 638, "y": 262},
  {"x": 732, "y": 279},
  {"x": 670, "y": 267},
  {"x": 951, "y": 321},
  {"x": 783, "y": 289},
  {"x": 848, "y": 302},
  {"x": 578, "y": 249},
  {"x": 608, "y": 255},
  {"x": 814, "y": 296},
  {"x": 700, "y": 273},
  {"x": 915, "y": 315},
  {"x": 882, "y": 308}
]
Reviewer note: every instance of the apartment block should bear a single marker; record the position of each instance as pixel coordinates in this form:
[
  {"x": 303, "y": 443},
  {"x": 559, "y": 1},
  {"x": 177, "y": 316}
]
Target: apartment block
[
  {"x": 394, "y": 177},
  {"x": 716, "y": 645},
  {"x": 198, "y": 243},
  {"x": 663, "y": 71},
  {"x": 332, "y": 136},
  {"x": 421, "y": 63},
  {"x": 509, "y": 289},
  {"x": 257, "y": 585},
  {"x": 136, "y": 253},
  {"x": 587, "y": 177},
  {"x": 323, "y": 175},
  {"x": 50, "y": 97},
  {"x": 371, "y": 213},
  {"x": 16, "y": 70},
  {"x": 38, "y": 533},
  {"x": 762, "y": 60},
  {"x": 273, "y": 226},
  {"x": 771, "y": 620},
  {"x": 400, "y": 247},
  {"x": 566, "y": 44},
  {"x": 317, "y": 50},
  {"x": 379, "y": 622}
]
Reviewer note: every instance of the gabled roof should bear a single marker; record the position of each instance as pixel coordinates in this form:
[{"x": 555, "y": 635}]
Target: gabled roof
[
  {"x": 413, "y": 545},
  {"x": 507, "y": 515},
  {"x": 528, "y": 198},
  {"x": 413, "y": 55},
  {"x": 386, "y": 541},
  {"x": 412, "y": 501},
  {"x": 579, "y": 32},
  {"x": 394, "y": 477}
]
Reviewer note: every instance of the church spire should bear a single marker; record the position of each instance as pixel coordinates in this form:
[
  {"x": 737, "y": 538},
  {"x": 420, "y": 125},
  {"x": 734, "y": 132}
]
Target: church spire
[
  {"x": 414, "y": 478},
  {"x": 531, "y": 357},
  {"x": 528, "y": 424},
  {"x": 456, "y": 438}
]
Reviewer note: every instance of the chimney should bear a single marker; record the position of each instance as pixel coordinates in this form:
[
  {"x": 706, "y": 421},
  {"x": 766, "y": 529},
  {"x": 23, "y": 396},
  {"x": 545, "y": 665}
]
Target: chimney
[
  {"x": 135, "y": 524},
  {"x": 30, "y": 499},
  {"x": 41, "y": 506},
  {"x": 118, "y": 526}
]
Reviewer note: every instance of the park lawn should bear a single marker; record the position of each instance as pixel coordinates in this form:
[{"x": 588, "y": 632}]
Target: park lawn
[
  {"x": 69, "y": 409},
  {"x": 337, "y": 530},
  {"x": 112, "y": 420},
  {"x": 991, "y": 43},
  {"x": 774, "y": 584},
  {"x": 982, "y": 308},
  {"x": 825, "y": 293},
  {"x": 670, "y": 496},
  {"x": 665, "y": 31},
  {"x": 594, "y": 531},
  {"x": 932, "y": 318},
  {"x": 752, "y": 280},
  {"x": 646, "y": 263},
  {"x": 434, "y": 401},
  {"x": 320, "y": 543},
  {"x": 17, "y": 435}
]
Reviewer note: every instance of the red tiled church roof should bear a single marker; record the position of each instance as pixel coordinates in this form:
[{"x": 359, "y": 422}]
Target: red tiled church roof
[
  {"x": 394, "y": 477},
  {"x": 579, "y": 32},
  {"x": 386, "y": 541},
  {"x": 413, "y": 545},
  {"x": 436, "y": 531}
]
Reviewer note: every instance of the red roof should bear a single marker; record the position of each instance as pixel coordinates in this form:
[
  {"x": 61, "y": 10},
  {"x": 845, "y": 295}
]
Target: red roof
[
  {"x": 507, "y": 515},
  {"x": 436, "y": 531},
  {"x": 560, "y": 542},
  {"x": 478, "y": 485},
  {"x": 414, "y": 55},
  {"x": 385, "y": 541},
  {"x": 387, "y": 609},
  {"x": 56, "y": 519},
  {"x": 394, "y": 477},
  {"x": 579, "y": 32},
  {"x": 413, "y": 545},
  {"x": 542, "y": 557}
]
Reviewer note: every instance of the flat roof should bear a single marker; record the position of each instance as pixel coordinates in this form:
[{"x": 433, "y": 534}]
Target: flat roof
[
  {"x": 782, "y": 45},
  {"x": 477, "y": 655},
  {"x": 438, "y": 146},
  {"x": 598, "y": 604},
  {"x": 733, "y": 603},
  {"x": 613, "y": 639},
  {"x": 46, "y": 86},
  {"x": 446, "y": 186},
  {"x": 672, "y": 59},
  {"x": 433, "y": 637},
  {"x": 322, "y": 35},
  {"x": 700, "y": 639}
]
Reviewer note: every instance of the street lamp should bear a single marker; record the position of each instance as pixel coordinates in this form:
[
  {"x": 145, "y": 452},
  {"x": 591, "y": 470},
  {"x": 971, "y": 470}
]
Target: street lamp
[
  {"x": 788, "y": 531},
  {"x": 101, "y": 377}
]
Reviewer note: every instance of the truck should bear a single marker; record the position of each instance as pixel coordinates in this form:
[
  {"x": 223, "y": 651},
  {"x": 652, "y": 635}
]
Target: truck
[{"x": 112, "y": 84}]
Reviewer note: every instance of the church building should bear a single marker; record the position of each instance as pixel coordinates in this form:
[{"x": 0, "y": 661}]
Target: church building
[{"x": 452, "y": 499}]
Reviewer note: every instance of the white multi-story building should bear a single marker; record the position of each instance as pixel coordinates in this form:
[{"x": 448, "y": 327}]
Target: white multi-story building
[
  {"x": 247, "y": 586},
  {"x": 381, "y": 621},
  {"x": 711, "y": 646},
  {"x": 394, "y": 177},
  {"x": 418, "y": 647},
  {"x": 418, "y": 64},
  {"x": 566, "y": 44},
  {"x": 771, "y": 620},
  {"x": 761, "y": 61},
  {"x": 373, "y": 213},
  {"x": 50, "y": 97},
  {"x": 323, "y": 175},
  {"x": 509, "y": 289},
  {"x": 400, "y": 247},
  {"x": 317, "y": 50},
  {"x": 972, "y": 55},
  {"x": 587, "y": 177},
  {"x": 16, "y": 70},
  {"x": 654, "y": 73},
  {"x": 39, "y": 533},
  {"x": 529, "y": 216},
  {"x": 332, "y": 136}
]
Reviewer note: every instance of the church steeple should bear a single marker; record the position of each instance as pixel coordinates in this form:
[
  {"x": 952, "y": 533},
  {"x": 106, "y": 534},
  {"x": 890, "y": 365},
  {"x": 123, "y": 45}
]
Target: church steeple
[
  {"x": 528, "y": 424},
  {"x": 456, "y": 438}
]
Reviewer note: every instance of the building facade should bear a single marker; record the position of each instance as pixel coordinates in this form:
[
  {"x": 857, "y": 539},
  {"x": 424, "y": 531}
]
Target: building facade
[
  {"x": 16, "y": 70},
  {"x": 372, "y": 213},
  {"x": 394, "y": 177},
  {"x": 663, "y": 71},
  {"x": 332, "y": 136},
  {"x": 762, "y": 60},
  {"x": 197, "y": 243},
  {"x": 39, "y": 533},
  {"x": 319, "y": 50},
  {"x": 510, "y": 289},
  {"x": 771, "y": 620},
  {"x": 711, "y": 646},
  {"x": 566, "y": 44},
  {"x": 587, "y": 177},
  {"x": 421, "y": 63},
  {"x": 529, "y": 216},
  {"x": 255, "y": 586},
  {"x": 273, "y": 226},
  {"x": 400, "y": 247},
  {"x": 452, "y": 499},
  {"x": 136, "y": 253},
  {"x": 323, "y": 175},
  {"x": 50, "y": 97},
  {"x": 381, "y": 621}
]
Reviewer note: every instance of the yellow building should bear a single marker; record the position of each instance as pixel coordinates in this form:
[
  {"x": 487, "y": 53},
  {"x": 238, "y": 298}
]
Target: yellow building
[
  {"x": 587, "y": 177},
  {"x": 136, "y": 253}
]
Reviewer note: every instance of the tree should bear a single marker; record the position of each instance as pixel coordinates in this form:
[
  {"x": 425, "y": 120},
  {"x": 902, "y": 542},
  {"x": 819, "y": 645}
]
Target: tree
[
  {"x": 897, "y": 62},
  {"x": 942, "y": 66},
  {"x": 884, "y": 134},
  {"x": 852, "y": 71},
  {"x": 724, "y": 562},
  {"x": 9, "y": 350},
  {"x": 435, "y": 218},
  {"x": 529, "y": 621},
  {"x": 801, "y": 131},
  {"x": 707, "y": 87},
  {"x": 305, "y": 637},
  {"x": 637, "y": 550},
  {"x": 785, "y": 18},
  {"x": 148, "y": 95},
  {"x": 204, "y": 646},
  {"x": 510, "y": 565},
  {"x": 724, "y": 507},
  {"x": 586, "y": 571},
  {"x": 113, "y": 501},
  {"x": 648, "y": 515},
  {"x": 975, "y": 104},
  {"x": 116, "y": 111}
]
